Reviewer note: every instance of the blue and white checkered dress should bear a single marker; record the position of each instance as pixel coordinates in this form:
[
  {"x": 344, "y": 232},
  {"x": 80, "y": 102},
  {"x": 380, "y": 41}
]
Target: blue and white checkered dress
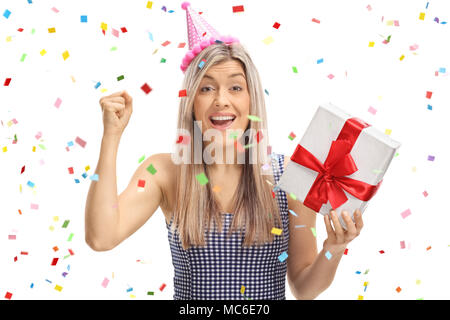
[{"x": 219, "y": 269}]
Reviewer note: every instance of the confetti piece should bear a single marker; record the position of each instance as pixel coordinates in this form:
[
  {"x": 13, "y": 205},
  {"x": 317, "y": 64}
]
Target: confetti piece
[
  {"x": 162, "y": 287},
  {"x": 141, "y": 183},
  {"x": 372, "y": 110},
  {"x": 268, "y": 40},
  {"x": 398, "y": 289},
  {"x": 54, "y": 261},
  {"x": 83, "y": 19},
  {"x": 34, "y": 206},
  {"x": 402, "y": 245},
  {"x": 292, "y": 136},
  {"x": 300, "y": 226},
  {"x": 292, "y": 212},
  {"x": 283, "y": 256},
  {"x": 429, "y": 107},
  {"x": 293, "y": 196},
  {"x": 428, "y": 248},
  {"x": 422, "y": 16},
  {"x": 120, "y": 77},
  {"x": 381, "y": 251},
  {"x": 7, "y": 13},
  {"x": 428, "y": 95},
  {"x": 58, "y": 288},
  {"x": 242, "y": 289},
  {"x": 425, "y": 194},
  {"x": 430, "y": 158},
  {"x": 277, "y": 231},
  {"x": 149, "y": 4},
  {"x": 150, "y": 293},
  {"x": 358, "y": 272},
  {"x": 405, "y": 213},
  {"x": 238, "y": 9},
  {"x": 319, "y": 61},
  {"x": 418, "y": 281},
  {"x": 328, "y": 255},
  {"x": 294, "y": 69},
  {"x": 253, "y": 118},
  {"x": 105, "y": 282},
  {"x": 80, "y": 141},
  {"x": 330, "y": 76},
  {"x": 315, "y": 20},
  {"x": 388, "y": 131},
  {"x": 346, "y": 251},
  {"x": 65, "y": 224},
  {"x": 7, "y": 82},
  {"x": 182, "y": 93},
  {"x": 202, "y": 63},
  {"x": 202, "y": 179},
  {"x": 70, "y": 237},
  {"x": 371, "y": 44},
  {"x": 8, "y": 295},
  {"x": 313, "y": 230},
  {"x": 65, "y": 55},
  {"x": 11, "y": 237},
  {"x": 360, "y": 297},
  {"x": 276, "y": 25},
  {"x": 414, "y": 47},
  {"x": 151, "y": 169}
]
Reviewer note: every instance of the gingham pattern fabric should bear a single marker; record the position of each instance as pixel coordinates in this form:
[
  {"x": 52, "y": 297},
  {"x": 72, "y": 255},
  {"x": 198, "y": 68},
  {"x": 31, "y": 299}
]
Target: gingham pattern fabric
[{"x": 220, "y": 269}]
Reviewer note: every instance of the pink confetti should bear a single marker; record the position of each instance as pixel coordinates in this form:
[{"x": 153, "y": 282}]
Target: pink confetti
[
  {"x": 34, "y": 206},
  {"x": 115, "y": 32},
  {"x": 55, "y": 10},
  {"x": 372, "y": 110},
  {"x": 38, "y": 135},
  {"x": 330, "y": 76},
  {"x": 414, "y": 47},
  {"x": 369, "y": 7},
  {"x": 80, "y": 141},
  {"x": 406, "y": 213},
  {"x": 396, "y": 23},
  {"x": 105, "y": 282},
  {"x": 58, "y": 102},
  {"x": 11, "y": 237},
  {"x": 425, "y": 194},
  {"x": 402, "y": 244}
]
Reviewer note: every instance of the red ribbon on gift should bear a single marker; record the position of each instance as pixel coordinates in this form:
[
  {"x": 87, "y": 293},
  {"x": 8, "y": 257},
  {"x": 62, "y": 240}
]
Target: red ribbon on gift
[{"x": 331, "y": 181}]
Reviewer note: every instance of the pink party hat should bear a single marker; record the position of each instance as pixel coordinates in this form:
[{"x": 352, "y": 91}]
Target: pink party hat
[{"x": 200, "y": 35}]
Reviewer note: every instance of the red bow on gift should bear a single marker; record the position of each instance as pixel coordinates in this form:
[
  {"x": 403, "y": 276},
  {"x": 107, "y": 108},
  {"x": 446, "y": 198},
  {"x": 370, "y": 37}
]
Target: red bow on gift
[{"x": 331, "y": 181}]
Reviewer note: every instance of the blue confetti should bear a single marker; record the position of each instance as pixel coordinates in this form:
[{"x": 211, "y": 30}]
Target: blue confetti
[
  {"x": 94, "y": 177},
  {"x": 70, "y": 143},
  {"x": 320, "y": 61},
  {"x": 7, "y": 13},
  {"x": 430, "y": 107},
  {"x": 328, "y": 255},
  {"x": 97, "y": 85},
  {"x": 30, "y": 184},
  {"x": 292, "y": 212},
  {"x": 283, "y": 256},
  {"x": 84, "y": 175},
  {"x": 83, "y": 18}
]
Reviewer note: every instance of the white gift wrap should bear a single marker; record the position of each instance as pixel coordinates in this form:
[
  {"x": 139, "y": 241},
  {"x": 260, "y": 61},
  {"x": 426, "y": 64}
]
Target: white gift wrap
[{"x": 372, "y": 152}]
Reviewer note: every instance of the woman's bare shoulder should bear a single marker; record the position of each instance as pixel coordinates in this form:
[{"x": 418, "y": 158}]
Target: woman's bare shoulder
[{"x": 160, "y": 165}]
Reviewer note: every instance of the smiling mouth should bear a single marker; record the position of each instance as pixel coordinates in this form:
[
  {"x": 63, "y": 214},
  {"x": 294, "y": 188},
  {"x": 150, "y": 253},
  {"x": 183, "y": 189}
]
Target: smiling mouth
[{"x": 221, "y": 122}]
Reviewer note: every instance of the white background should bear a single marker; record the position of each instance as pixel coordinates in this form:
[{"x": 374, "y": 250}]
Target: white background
[{"x": 363, "y": 77}]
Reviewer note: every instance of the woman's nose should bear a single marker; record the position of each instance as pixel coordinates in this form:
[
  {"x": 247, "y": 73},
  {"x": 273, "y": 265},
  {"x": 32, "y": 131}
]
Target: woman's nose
[{"x": 221, "y": 99}]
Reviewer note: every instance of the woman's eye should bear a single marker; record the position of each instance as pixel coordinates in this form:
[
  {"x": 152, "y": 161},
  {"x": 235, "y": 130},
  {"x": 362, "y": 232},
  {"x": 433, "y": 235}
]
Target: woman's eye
[
  {"x": 239, "y": 88},
  {"x": 205, "y": 88}
]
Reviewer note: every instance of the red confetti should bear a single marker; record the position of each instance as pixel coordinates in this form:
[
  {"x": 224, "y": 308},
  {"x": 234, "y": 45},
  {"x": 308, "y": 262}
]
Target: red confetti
[
  {"x": 425, "y": 194},
  {"x": 381, "y": 251},
  {"x": 146, "y": 88},
  {"x": 259, "y": 136},
  {"x": 70, "y": 170},
  {"x": 182, "y": 45},
  {"x": 273, "y": 194},
  {"x": 15, "y": 258},
  {"x": 182, "y": 93},
  {"x": 345, "y": 251},
  {"x": 141, "y": 183},
  {"x": 71, "y": 252},
  {"x": 8, "y": 295},
  {"x": 276, "y": 25},
  {"x": 22, "y": 170},
  {"x": 162, "y": 287},
  {"x": 20, "y": 29},
  {"x": 429, "y": 93},
  {"x": 166, "y": 43},
  {"x": 123, "y": 29},
  {"x": 238, "y": 8},
  {"x": 315, "y": 20},
  {"x": 7, "y": 81},
  {"x": 54, "y": 261},
  {"x": 24, "y": 253}
]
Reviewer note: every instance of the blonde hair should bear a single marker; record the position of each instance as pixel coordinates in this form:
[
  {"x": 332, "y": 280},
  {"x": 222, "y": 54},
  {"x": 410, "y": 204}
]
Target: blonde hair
[{"x": 256, "y": 211}]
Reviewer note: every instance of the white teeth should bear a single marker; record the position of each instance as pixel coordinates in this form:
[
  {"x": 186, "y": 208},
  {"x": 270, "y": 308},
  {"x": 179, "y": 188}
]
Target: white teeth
[{"x": 223, "y": 118}]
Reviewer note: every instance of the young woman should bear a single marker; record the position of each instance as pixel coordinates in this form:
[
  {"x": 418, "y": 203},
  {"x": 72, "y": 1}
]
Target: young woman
[{"x": 220, "y": 233}]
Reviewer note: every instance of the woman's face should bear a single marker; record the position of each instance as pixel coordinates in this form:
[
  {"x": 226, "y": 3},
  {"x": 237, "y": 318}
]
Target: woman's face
[{"x": 222, "y": 101}]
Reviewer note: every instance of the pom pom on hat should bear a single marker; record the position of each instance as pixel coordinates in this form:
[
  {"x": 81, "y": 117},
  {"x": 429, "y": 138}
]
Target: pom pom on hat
[{"x": 184, "y": 5}]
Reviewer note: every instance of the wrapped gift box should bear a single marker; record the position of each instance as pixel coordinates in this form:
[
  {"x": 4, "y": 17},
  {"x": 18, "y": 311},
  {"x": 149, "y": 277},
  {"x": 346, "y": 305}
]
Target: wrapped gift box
[{"x": 339, "y": 163}]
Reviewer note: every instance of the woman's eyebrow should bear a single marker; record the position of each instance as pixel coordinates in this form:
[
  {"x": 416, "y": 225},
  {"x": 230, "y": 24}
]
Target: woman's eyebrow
[{"x": 231, "y": 76}]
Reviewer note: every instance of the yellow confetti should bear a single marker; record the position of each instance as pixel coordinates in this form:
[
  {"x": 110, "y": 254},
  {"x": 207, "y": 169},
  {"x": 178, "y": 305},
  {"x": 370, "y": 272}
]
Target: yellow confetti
[
  {"x": 366, "y": 284},
  {"x": 55, "y": 218},
  {"x": 388, "y": 131},
  {"x": 360, "y": 297},
  {"x": 52, "y": 228},
  {"x": 418, "y": 281},
  {"x": 65, "y": 54},
  {"x": 43, "y": 52},
  {"x": 8, "y": 39},
  {"x": 149, "y": 4},
  {"x": 402, "y": 57},
  {"x": 390, "y": 22},
  {"x": 242, "y": 290},
  {"x": 132, "y": 296},
  {"x": 277, "y": 231},
  {"x": 5, "y": 149},
  {"x": 34, "y": 148},
  {"x": 104, "y": 26},
  {"x": 58, "y": 288},
  {"x": 422, "y": 16},
  {"x": 414, "y": 169},
  {"x": 87, "y": 168},
  {"x": 268, "y": 40},
  {"x": 371, "y": 44},
  {"x": 51, "y": 30}
]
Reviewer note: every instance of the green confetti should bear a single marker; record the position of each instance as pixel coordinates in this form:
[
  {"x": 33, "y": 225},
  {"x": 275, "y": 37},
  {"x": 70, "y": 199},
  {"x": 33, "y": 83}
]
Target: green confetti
[
  {"x": 65, "y": 257},
  {"x": 23, "y": 57},
  {"x": 66, "y": 223},
  {"x": 294, "y": 69},
  {"x": 202, "y": 179},
  {"x": 70, "y": 237},
  {"x": 233, "y": 135},
  {"x": 249, "y": 145},
  {"x": 41, "y": 146},
  {"x": 253, "y": 118},
  {"x": 151, "y": 169},
  {"x": 292, "y": 196},
  {"x": 141, "y": 159},
  {"x": 313, "y": 230},
  {"x": 33, "y": 31},
  {"x": 113, "y": 49},
  {"x": 366, "y": 272},
  {"x": 163, "y": 60},
  {"x": 150, "y": 293},
  {"x": 120, "y": 77},
  {"x": 396, "y": 154}
]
